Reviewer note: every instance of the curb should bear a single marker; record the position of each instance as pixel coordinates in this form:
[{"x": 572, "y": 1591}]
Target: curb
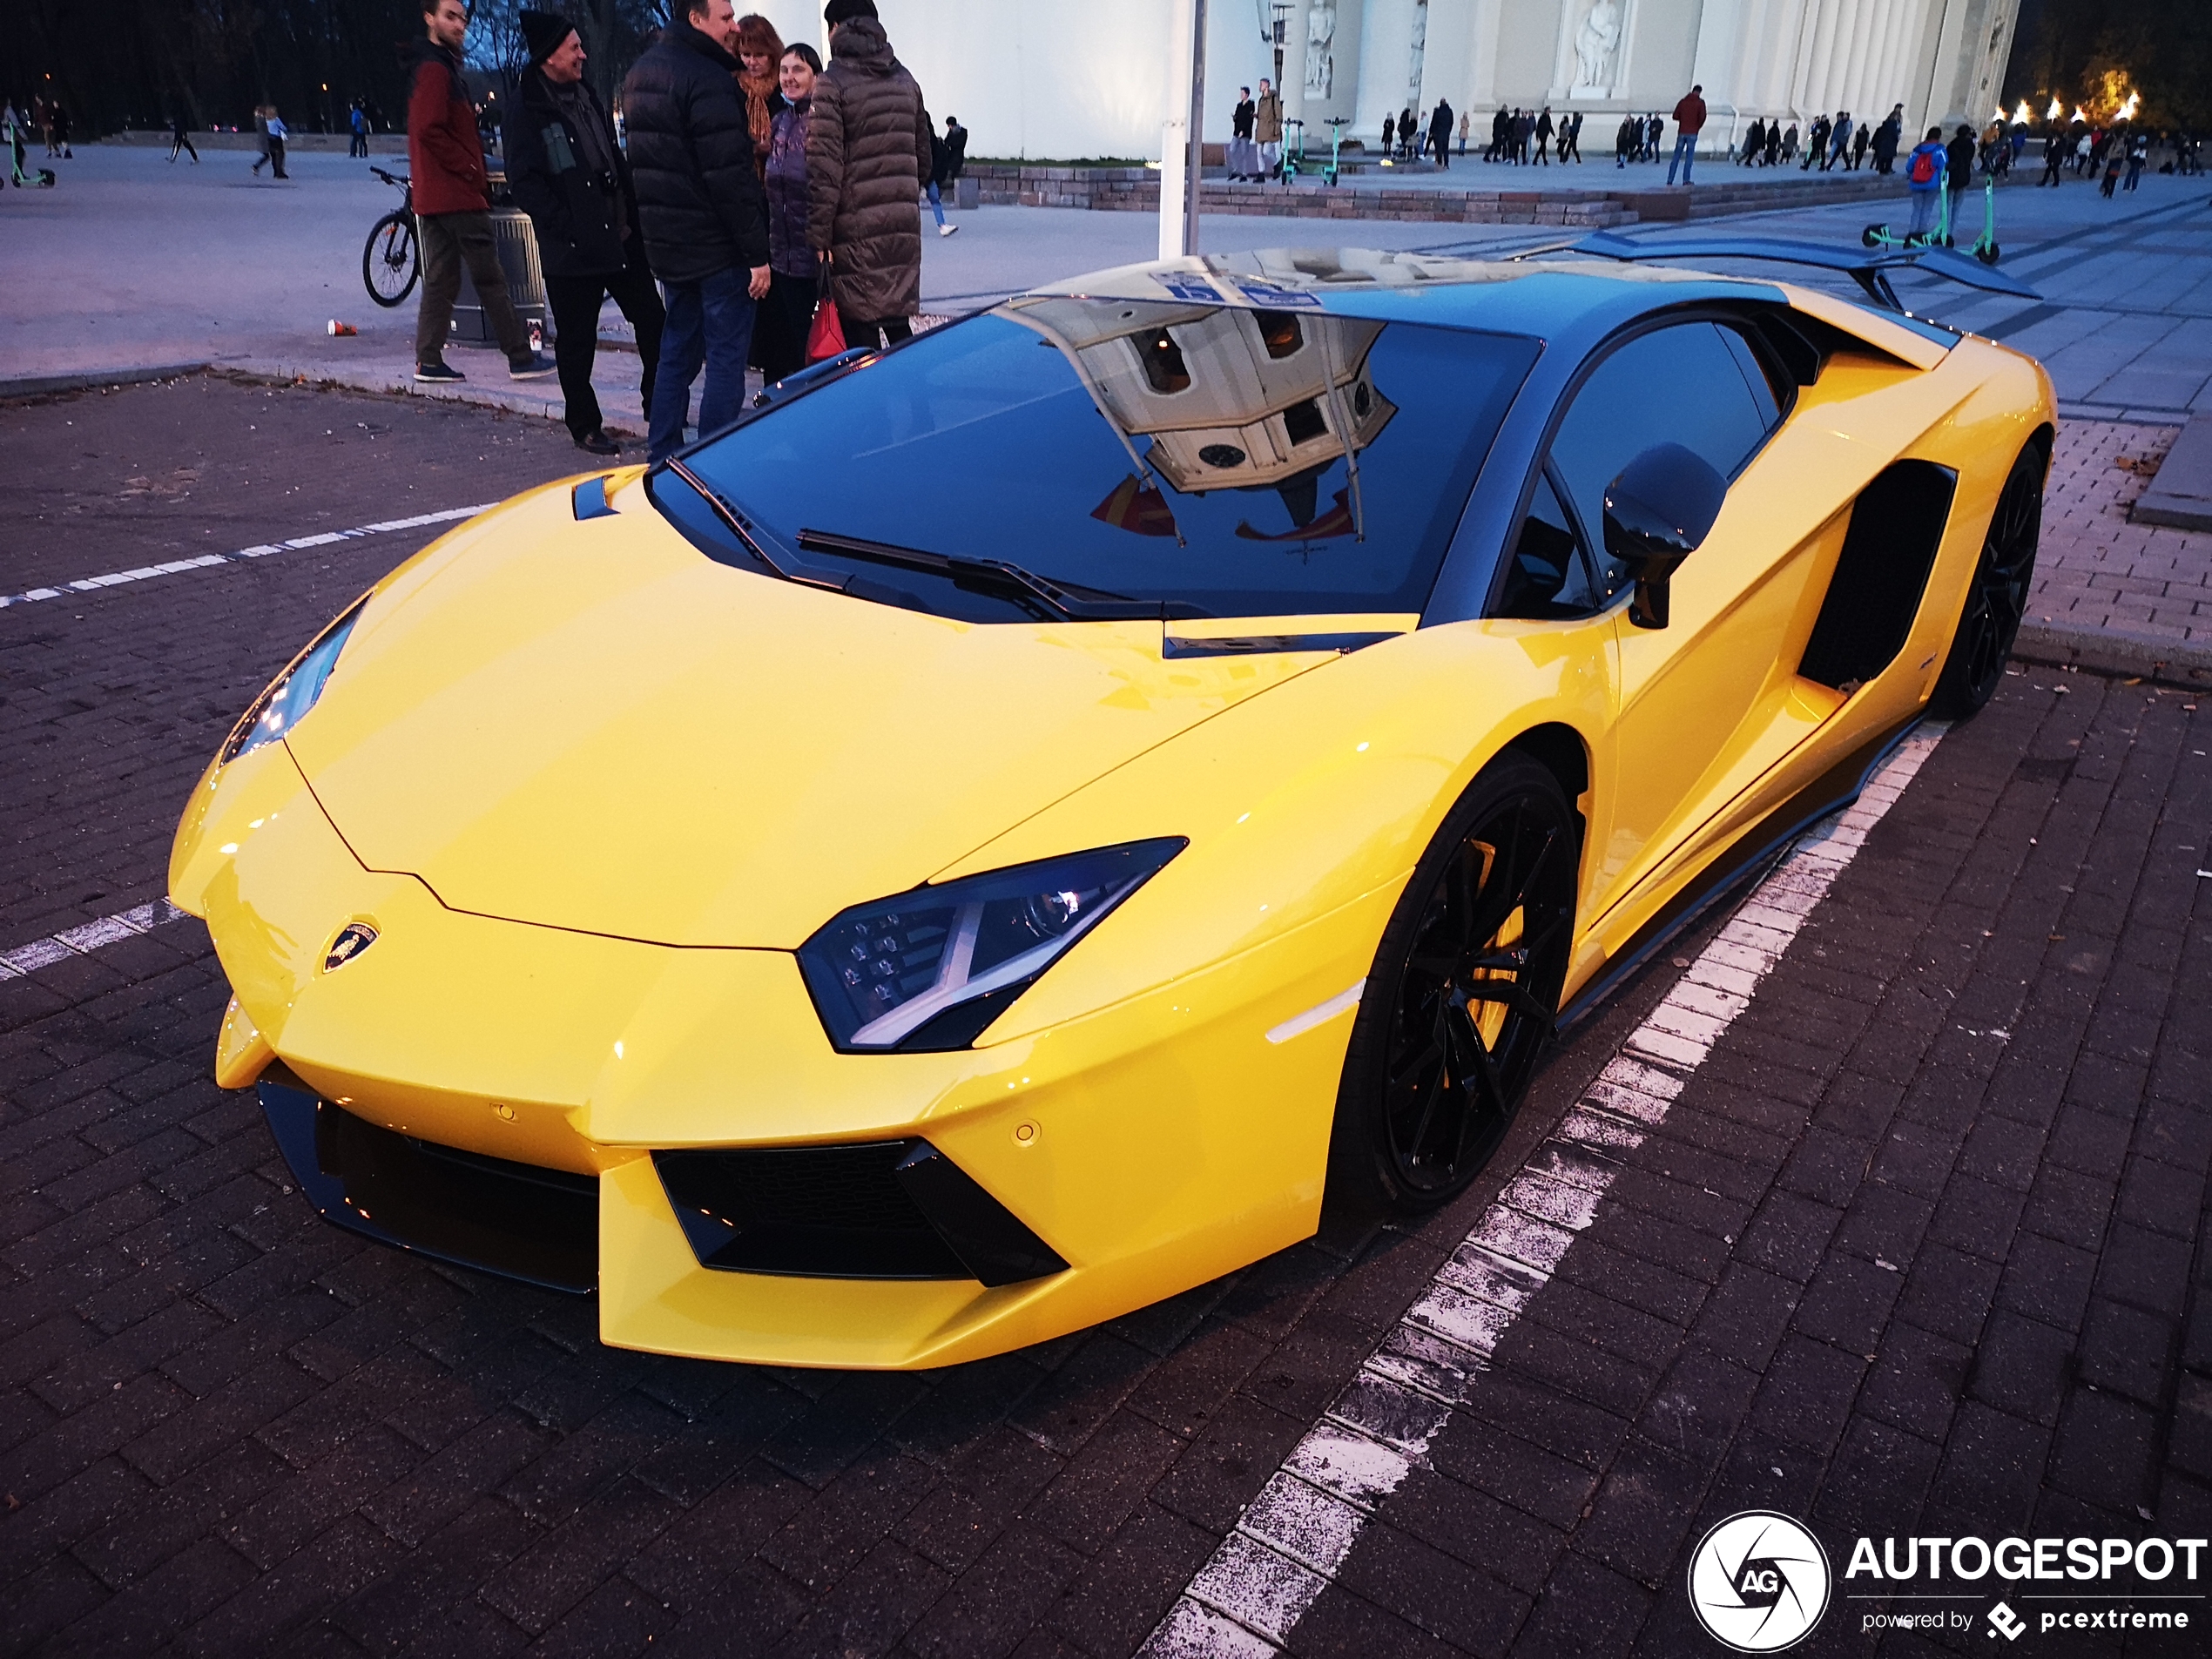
[
  {"x": 85, "y": 380},
  {"x": 2186, "y": 664}
]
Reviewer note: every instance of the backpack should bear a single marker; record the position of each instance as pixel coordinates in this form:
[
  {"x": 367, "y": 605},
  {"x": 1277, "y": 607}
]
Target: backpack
[{"x": 1924, "y": 168}]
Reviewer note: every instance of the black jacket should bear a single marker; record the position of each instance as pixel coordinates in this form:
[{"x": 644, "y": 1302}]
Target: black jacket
[
  {"x": 577, "y": 212},
  {"x": 691, "y": 154}
]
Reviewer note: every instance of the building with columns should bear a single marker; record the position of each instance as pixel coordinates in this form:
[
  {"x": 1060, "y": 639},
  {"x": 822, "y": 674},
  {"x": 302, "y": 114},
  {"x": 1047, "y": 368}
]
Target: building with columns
[{"x": 1067, "y": 79}]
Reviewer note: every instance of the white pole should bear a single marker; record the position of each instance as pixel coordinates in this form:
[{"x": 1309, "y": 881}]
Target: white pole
[{"x": 1180, "y": 152}]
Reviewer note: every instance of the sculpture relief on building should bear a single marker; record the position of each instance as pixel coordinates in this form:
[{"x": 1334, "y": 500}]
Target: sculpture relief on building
[
  {"x": 1595, "y": 43},
  {"x": 1320, "y": 33}
]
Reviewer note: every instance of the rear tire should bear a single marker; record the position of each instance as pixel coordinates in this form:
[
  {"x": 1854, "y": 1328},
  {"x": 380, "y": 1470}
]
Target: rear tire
[
  {"x": 1460, "y": 1004},
  {"x": 1997, "y": 596}
]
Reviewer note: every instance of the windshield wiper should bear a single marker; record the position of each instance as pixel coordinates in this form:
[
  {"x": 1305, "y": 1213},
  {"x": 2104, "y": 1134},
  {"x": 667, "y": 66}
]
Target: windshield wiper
[
  {"x": 1040, "y": 593},
  {"x": 741, "y": 527}
]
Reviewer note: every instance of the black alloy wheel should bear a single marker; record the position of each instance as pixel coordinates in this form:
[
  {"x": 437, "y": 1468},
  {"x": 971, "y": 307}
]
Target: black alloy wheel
[
  {"x": 389, "y": 263},
  {"x": 1997, "y": 598},
  {"x": 1464, "y": 994}
]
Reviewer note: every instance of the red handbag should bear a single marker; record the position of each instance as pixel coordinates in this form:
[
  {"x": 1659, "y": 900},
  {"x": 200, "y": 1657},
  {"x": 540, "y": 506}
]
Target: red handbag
[{"x": 826, "y": 338}]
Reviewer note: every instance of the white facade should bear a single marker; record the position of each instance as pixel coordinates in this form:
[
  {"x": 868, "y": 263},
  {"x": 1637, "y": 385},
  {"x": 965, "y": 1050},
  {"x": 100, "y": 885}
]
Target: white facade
[{"x": 1064, "y": 79}]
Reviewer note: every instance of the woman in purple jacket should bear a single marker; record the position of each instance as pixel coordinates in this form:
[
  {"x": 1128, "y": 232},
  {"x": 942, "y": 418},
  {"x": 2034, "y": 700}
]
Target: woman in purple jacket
[{"x": 788, "y": 312}]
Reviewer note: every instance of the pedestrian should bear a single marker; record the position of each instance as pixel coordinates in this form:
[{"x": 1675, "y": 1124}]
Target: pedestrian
[
  {"x": 2138, "y": 157},
  {"x": 1570, "y": 142},
  {"x": 705, "y": 215},
  {"x": 940, "y": 166},
  {"x": 761, "y": 50},
  {"x": 1689, "y": 121},
  {"x": 1624, "y": 141},
  {"x": 569, "y": 175},
  {"x": 58, "y": 114},
  {"x": 1524, "y": 129},
  {"x": 357, "y": 120},
  {"x": 453, "y": 203},
  {"x": 1243, "y": 153},
  {"x": 794, "y": 275},
  {"x": 1406, "y": 135},
  {"x": 1467, "y": 120},
  {"x": 1859, "y": 141},
  {"x": 179, "y": 136},
  {"x": 261, "y": 137},
  {"x": 867, "y": 148},
  {"x": 1754, "y": 142},
  {"x": 1886, "y": 140},
  {"x": 1389, "y": 135},
  {"x": 1958, "y": 167},
  {"x": 1924, "y": 178},
  {"x": 2056, "y": 146},
  {"x": 1816, "y": 142},
  {"x": 1544, "y": 130},
  {"x": 1439, "y": 133},
  {"x": 1839, "y": 140},
  {"x": 1267, "y": 129},
  {"x": 1790, "y": 144},
  {"x": 1655, "y": 134},
  {"x": 278, "y": 133},
  {"x": 2114, "y": 159}
]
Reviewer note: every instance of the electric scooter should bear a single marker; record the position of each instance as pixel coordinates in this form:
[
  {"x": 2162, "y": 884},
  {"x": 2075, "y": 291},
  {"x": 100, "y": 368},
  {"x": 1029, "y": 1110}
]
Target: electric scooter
[
  {"x": 43, "y": 179},
  {"x": 1293, "y": 148},
  {"x": 1337, "y": 125}
]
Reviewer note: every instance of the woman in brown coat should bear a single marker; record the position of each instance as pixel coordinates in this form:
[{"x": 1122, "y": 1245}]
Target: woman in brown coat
[{"x": 867, "y": 154}]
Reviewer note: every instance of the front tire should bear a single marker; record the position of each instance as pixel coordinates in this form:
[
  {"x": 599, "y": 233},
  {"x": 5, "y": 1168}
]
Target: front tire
[
  {"x": 1997, "y": 598},
  {"x": 390, "y": 263},
  {"x": 1463, "y": 997}
]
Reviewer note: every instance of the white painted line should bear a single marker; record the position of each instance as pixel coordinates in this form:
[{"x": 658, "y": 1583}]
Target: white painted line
[
  {"x": 148, "y": 572},
  {"x": 1298, "y": 1024},
  {"x": 86, "y": 937},
  {"x": 1295, "y": 1537}
]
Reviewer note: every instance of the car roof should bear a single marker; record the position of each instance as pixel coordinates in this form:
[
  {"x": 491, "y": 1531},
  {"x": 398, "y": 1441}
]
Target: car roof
[{"x": 1509, "y": 296}]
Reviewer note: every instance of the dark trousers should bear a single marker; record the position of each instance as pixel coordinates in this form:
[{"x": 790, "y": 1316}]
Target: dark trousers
[
  {"x": 709, "y": 325},
  {"x": 450, "y": 240},
  {"x": 858, "y": 330},
  {"x": 358, "y": 145},
  {"x": 575, "y": 302},
  {"x": 181, "y": 141},
  {"x": 780, "y": 334}
]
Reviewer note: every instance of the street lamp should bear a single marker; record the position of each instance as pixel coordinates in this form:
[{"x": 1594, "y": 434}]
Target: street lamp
[{"x": 1279, "y": 29}]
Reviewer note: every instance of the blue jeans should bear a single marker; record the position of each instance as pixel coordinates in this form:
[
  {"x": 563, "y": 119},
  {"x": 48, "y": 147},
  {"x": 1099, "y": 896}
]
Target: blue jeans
[
  {"x": 1925, "y": 203},
  {"x": 937, "y": 203},
  {"x": 709, "y": 321},
  {"x": 1685, "y": 153}
]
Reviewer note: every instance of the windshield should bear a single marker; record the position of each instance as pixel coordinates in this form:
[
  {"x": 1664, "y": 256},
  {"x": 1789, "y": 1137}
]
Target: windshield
[{"x": 1209, "y": 460}]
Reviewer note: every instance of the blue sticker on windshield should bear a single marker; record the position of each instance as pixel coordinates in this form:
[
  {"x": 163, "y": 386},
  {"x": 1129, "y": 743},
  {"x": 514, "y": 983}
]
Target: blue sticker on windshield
[
  {"x": 1189, "y": 287},
  {"x": 1275, "y": 298}
]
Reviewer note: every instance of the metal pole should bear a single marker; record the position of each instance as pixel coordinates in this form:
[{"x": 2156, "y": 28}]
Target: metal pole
[{"x": 1195, "y": 169}]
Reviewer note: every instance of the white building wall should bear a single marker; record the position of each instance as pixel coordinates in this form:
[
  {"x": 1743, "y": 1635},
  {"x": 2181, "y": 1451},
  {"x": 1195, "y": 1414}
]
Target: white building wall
[{"x": 1068, "y": 78}]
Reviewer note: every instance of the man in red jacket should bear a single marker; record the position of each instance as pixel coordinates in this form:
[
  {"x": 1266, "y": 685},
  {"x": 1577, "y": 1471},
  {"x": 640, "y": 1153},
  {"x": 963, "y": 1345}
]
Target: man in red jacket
[
  {"x": 1689, "y": 121},
  {"x": 453, "y": 202}
]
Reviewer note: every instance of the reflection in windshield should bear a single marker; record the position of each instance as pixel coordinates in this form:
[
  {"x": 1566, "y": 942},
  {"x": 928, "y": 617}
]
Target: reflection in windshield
[
  {"x": 1232, "y": 400},
  {"x": 1245, "y": 460}
]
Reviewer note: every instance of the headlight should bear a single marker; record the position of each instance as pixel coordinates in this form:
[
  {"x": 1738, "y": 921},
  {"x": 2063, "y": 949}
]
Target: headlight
[
  {"x": 930, "y": 968},
  {"x": 293, "y": 692}
]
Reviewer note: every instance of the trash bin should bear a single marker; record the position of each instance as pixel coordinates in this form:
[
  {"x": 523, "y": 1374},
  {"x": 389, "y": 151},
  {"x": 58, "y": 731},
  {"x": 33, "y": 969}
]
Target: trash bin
[
  {"x": 517, "y": 246},
  {"x": 967, "y": 191}
]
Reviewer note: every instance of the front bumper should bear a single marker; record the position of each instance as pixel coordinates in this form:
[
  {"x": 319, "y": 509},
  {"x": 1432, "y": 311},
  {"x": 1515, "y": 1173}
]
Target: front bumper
[{"x": 1147, "y": 1147}]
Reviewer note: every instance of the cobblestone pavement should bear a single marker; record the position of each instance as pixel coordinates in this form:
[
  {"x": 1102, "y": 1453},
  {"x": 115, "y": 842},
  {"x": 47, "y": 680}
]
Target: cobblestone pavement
[
  {"x": 2099, "y": 572},
  {"x": 1916, "y": 1249}
]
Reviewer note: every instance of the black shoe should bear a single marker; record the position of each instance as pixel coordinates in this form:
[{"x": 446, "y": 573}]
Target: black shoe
[
  {"x": 598, "y": 443},
  {"x": 532, "y": 365},
  {"x": 437, "y": 373}
]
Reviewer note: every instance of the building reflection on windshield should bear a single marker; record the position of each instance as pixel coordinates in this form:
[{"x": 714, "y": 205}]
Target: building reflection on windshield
[{"x": 1231, "y": 399}]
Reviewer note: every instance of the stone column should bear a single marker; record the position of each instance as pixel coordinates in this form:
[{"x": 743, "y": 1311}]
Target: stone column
[{"x": 1293, "y": 91}]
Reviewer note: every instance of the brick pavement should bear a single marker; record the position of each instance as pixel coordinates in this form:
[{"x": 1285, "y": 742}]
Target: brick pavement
[
  {"x": 1916, "y": 1249},
  {"x": 2095, "y": 570}
]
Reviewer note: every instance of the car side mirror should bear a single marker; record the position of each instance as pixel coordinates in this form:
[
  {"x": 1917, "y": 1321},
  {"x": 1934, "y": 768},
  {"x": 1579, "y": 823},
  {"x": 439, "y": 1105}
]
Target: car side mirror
[{"x": 1657, "y": 513}]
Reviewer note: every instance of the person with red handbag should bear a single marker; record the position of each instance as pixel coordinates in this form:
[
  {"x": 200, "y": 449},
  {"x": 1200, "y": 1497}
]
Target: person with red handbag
[
  {"x": 868, "y": 152},
  {"x": 794, "y": 275}
]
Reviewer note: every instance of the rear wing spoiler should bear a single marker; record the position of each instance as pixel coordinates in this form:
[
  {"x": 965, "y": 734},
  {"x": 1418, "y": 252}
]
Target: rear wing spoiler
[{"x": 1869, "y": 267}]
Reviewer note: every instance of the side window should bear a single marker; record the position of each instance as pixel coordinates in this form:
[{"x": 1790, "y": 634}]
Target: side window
[
  {"x": 1547, "y": 578},
  {"x": 1690, "y": 383}
]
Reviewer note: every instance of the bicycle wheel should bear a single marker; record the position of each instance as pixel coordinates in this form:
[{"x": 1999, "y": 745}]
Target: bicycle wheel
[{"x": 389, "y": 262}]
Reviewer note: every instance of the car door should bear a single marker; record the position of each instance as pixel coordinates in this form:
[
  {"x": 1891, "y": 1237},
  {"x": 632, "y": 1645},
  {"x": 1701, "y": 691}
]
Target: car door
[{"x": 1691, "y": 694}]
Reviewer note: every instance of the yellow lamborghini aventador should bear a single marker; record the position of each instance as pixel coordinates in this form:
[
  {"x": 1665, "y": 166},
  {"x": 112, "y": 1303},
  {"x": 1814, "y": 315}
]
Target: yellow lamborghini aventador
[{"x": 1001, "y": 832}]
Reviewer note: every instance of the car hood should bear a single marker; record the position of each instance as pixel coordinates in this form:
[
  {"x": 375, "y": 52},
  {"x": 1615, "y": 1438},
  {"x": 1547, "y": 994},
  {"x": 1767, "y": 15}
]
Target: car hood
[{"x": 590, "y": 725}]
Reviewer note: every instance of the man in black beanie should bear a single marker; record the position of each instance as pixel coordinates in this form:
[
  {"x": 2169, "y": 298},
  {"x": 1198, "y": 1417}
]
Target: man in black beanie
[{"x": 570, "y": 177}]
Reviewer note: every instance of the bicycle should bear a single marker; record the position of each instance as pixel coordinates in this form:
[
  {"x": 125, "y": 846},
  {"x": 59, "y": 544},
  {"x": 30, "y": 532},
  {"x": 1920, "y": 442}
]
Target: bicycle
[{"x": 392, "y": 261}]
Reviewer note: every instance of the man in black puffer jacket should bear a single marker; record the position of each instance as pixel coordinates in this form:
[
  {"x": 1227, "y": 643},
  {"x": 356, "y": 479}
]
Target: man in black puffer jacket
[
  {"x": 566, "y": 172},
  {"x": 704, "y": 217}
]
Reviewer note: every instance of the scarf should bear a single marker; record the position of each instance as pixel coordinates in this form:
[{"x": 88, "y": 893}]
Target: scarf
[{"x": 757, "y": 89}]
